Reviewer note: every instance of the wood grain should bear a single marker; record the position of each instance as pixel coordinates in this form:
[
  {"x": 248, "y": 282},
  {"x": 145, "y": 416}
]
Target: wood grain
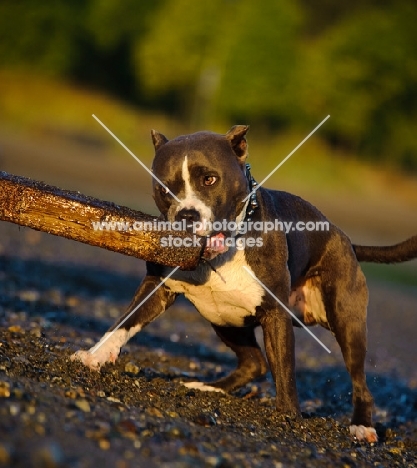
[{"x": 71, "y": 214}]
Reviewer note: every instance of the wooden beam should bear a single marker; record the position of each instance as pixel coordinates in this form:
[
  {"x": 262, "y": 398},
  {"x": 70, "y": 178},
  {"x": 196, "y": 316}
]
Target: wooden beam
[{"x": 71, "y": 214}]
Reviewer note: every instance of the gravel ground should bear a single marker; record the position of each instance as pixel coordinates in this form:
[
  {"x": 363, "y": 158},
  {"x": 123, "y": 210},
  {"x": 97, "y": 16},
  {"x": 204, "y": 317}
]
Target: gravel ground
[{"x": 56, "y": 413}]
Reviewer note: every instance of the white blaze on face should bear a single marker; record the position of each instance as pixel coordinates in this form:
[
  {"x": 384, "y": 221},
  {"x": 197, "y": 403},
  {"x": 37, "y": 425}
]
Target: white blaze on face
[
  {"x": 189, "y": 193},
  {"x": 191, "y": 200}
]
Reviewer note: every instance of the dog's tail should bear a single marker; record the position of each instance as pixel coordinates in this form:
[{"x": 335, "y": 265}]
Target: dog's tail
[{"x": 402, "y": 252}]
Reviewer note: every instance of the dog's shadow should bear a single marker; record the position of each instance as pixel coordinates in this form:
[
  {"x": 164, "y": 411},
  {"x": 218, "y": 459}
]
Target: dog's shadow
[{"x": 325, "y": 392}]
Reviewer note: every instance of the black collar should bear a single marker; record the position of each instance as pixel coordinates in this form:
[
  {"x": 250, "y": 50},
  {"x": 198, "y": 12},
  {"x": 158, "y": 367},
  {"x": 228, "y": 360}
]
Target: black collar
[{"x": 253, "y": 202}]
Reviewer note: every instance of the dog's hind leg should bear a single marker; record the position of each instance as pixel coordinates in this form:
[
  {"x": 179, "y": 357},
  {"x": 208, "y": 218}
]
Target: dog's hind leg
[
  {"x": 347, "y": 320},
  {"x": 251, "y": 361},
  {"x": 352, "y": 341}
]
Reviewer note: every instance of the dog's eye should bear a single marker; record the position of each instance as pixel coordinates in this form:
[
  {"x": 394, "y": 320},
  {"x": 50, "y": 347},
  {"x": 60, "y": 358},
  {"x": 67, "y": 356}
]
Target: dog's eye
[{"x": 209, "y": 180}]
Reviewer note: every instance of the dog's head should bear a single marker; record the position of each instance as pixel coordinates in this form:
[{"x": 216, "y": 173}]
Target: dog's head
[{"x": 206, "y": 173}]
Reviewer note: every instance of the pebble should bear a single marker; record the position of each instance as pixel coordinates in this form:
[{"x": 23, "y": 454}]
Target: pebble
[
  {"x": 176, "y": 432},
  {"x": 4, "y": 389},
  {"x": 29, "y": 295},
  {"x": 83, "y": 405},
  {"x": 113, "y": 399},
  {"x": 14, "y": 409},
  {"x": 395, "y": 451},
  {"x": 72, "y": 301},
  {"x": 36, "y": 332},
  {"x": 152, "y": 411},
  {"x": 71, "y": 394},
  {"x": 194, "y": 365},
  {"x": 132, "y": 368},
  {"x": 104, "y": 444}
]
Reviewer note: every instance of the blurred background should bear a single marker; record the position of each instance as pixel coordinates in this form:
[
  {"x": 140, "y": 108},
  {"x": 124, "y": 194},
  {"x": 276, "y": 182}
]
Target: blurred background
[{"x": 179, "y": 66}]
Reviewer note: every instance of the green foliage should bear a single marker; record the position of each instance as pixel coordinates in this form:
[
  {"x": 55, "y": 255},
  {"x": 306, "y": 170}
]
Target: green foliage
[
  {"x": 235, "y": 56},
  {"x": 273, "y": 64},
  {"x": 88, "y": 40},
  {"x": 182, "y": 43},
  {"x": 112, "y": 21},
  {"x": 109, "y": 30},
  {"x": 259, "y": 61},
  {"x": 363, "y": 71},
  {"x": 39, "y": 34},
  {"x": 170, "y": 56}
]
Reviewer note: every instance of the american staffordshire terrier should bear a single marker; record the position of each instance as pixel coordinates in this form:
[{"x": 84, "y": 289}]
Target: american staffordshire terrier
[{"x": 314, "y": 273}]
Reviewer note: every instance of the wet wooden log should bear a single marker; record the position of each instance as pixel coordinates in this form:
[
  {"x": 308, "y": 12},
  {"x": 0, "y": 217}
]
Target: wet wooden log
[{"x": 71, "y": 214}]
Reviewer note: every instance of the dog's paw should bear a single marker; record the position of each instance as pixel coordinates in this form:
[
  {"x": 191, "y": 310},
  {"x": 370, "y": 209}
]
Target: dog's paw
[
  {"x": 92, "y": 360},
  {"x": 202, "y": 387},
  {"x": 106, "y": 350},
  {"x": 88, "y": 359},
  {"x": 362, "y": 433}
]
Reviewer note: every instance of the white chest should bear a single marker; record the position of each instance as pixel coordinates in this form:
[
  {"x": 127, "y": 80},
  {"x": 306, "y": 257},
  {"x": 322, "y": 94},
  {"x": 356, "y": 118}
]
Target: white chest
[{"x": 225, "y": 297}]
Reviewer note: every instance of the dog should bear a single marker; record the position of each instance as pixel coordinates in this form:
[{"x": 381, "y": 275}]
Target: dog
[{"x": 203, "y": 178}]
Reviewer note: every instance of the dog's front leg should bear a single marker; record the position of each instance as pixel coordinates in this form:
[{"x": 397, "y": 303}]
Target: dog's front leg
[
  {"x": 279, "y": 346},
  {"x": 150, "y": 300}
]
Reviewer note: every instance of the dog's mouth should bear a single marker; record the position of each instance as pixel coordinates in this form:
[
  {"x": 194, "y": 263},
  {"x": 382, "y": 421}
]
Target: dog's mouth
[{"x": 215, "y": 245}]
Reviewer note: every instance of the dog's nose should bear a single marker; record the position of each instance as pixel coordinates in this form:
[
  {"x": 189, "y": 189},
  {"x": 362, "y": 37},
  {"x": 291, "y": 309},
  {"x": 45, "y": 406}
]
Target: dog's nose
[{"x": 189, "y": 215}]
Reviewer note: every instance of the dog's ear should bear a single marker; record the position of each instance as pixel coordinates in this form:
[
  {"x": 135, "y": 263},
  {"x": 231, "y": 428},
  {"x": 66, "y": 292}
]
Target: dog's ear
[
  {"x": 236, "y": 137},
  {"x": 158, "y": 139}
]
